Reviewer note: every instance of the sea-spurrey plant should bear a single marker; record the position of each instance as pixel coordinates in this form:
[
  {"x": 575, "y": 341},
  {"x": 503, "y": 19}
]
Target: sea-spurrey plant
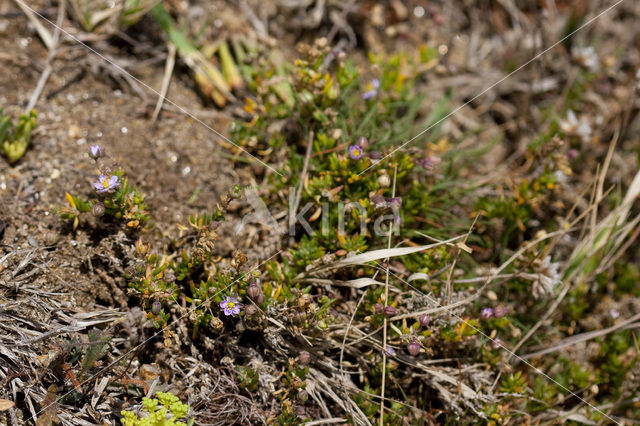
[{"x": 114, "y": 198}]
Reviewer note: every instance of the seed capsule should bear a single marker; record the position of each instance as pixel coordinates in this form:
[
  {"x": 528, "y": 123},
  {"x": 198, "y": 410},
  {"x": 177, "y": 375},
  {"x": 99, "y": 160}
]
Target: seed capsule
[
  {"x": 250, "y": 310},
  {"x": 156, "y": 307},
  {"x": 97, "y": 210},
  {"x": 51, "y": 238}
]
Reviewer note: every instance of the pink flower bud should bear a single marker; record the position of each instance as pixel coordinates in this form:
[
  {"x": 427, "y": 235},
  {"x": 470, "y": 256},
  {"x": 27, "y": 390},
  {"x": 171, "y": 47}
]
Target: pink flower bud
[
  {"x": 254, "y": 291},
  {"x": 424, "y": 320},
  {"x": 304, "y": 357},
  {"x": 414, "y": 347}
]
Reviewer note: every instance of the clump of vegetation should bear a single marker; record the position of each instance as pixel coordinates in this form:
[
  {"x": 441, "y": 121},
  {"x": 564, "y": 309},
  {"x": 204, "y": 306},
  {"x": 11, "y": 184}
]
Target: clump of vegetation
[
  {"x": 165, "y": 409},
  {"x": 14, "y": 139},
  {"x": 404, "y": 284},
  {"x": 109, "y": 17},
  {"x": 115, "y": 198}
]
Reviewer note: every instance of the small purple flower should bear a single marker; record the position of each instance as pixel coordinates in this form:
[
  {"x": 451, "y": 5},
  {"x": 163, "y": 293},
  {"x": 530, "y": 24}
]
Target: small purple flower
[
  {"x": 375, "y": 85},
  {"x": 429, "y": 163},
  {"x": 389, "y": 351},
  {"x": 96, "y": 152},
  {"x": 355, "y": 152},
  {"x": 486, "y": 313},
  {"x": 106, "y": 184},
  {"x": 230, "y": 306},
  {"x": 614, "y": 313},
  {"x": 573, "y": 154}
]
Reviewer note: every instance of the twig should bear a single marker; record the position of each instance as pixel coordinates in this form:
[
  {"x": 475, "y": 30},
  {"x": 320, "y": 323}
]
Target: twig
[
  {"x": 52, "y": 45},
  {"x": 386, "y": 303},
  {"x": 342, "y": 18},
  {"x": 582, "y": 337},
  {"x": 166, "y": 80},
  {"x": 42, "y": 32}
]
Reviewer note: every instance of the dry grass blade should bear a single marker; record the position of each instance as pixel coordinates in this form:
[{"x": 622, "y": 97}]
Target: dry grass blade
[
  {"x": 372, "y": 256},
  {"x": 583, "y": 337}
]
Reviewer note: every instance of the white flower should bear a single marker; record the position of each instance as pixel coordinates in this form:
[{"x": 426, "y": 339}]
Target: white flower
[
  {"x": 586, "y": 57},
  {"x": 574, "y": 127}
]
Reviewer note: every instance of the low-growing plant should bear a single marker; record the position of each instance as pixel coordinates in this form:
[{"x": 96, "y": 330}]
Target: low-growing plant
[
  {"x": 116, "y": 199},
  {"x": 165, "y": 409}
]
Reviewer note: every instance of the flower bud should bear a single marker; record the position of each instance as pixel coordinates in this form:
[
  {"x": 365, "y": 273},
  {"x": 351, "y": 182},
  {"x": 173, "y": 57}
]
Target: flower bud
[
  {"x": 384, "y": 181},
  {"x": 254, "y": 291},
  {"x": 260, "y": 299},
  {"x": 304, "y": 357},
  {"x": 389, "y": 311},
  {"x": 424, "y": 320},
  {"x": 375, "y": 155},
  {"x": 303, "y": 395},
  {"x": 97, "y": 210},
  {"x": 156, "y": 307},
  {"x": 378, "y": 308},
  {"x": 51, "y": 237},
  {"x": 414, "y": 347},
  {"x": 96, "y": 152},
  {"x": 362, "y": 142}
]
